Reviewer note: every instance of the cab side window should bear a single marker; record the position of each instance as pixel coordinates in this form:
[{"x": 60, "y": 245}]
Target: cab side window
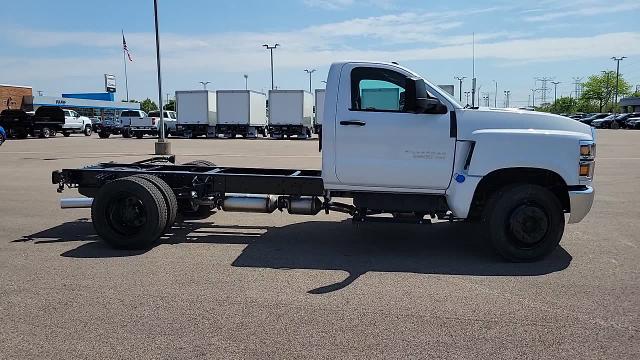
[{"x": 380, "y": 90}]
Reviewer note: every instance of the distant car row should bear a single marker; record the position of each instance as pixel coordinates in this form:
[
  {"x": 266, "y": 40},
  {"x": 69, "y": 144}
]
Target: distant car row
[
  {"x": 609, "y": 121},
  {"x": 45, "y": 122}
]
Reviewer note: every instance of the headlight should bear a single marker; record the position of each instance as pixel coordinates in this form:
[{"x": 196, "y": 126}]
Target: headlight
[
  {"x": 587, "y": 159},
  {"x": 587, "y": 151}
]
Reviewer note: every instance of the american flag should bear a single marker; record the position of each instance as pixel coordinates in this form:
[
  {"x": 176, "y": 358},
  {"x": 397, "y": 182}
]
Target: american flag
[{"x": 124, "y": 47}]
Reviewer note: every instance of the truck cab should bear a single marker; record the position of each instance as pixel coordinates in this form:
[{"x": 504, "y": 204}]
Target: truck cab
[{"x": 74, "y": 123}]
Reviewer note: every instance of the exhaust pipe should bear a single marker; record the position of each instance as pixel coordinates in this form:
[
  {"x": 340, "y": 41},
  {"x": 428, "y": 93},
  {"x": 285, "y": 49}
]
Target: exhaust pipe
[{"x": 76, "y": 203}]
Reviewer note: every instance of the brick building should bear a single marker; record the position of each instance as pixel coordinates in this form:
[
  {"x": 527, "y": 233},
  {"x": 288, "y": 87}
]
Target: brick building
[{"x": 13, "y": 95}]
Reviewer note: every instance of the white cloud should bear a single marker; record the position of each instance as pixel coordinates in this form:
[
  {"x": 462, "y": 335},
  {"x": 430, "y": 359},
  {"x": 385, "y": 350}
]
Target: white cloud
[{"x": 583, "y": 8}]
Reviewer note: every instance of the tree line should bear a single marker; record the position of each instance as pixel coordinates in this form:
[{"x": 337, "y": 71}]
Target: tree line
[
  {"x": 147, "y": 105},
  {"x": 598, "y": 95}
]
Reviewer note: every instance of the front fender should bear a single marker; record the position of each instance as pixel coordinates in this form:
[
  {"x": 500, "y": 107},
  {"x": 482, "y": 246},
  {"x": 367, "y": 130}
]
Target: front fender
[{"x": 554, "y": 150}]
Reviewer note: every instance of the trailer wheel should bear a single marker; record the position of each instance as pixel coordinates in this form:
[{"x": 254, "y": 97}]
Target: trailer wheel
[
  {"x": 104, "y": 135},
  {"x": 129, "y": 213},
  {"x": 87, "y": 130},
  {"x": 167, "y": 194},
  {"x": 45, "y": 132},
  {"x": 525, "y": 222}
]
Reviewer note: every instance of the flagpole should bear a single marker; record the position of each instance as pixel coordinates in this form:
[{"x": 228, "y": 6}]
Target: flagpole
[{"x": 124, "y": 59}]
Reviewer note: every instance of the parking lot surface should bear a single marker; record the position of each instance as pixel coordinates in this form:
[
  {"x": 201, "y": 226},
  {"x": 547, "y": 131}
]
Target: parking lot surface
[{"x": 283, "y": 286}]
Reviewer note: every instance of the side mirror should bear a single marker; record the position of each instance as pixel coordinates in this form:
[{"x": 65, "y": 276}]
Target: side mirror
[{"x": 430, "y": 106}]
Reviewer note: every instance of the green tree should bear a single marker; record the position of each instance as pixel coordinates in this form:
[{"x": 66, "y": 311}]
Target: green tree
[
  {"x": 600, "y": 89},
  {"x": 563, "y": 105},
  {"x": 170, "y": 106},
  {"x": 147, "y": 105}
]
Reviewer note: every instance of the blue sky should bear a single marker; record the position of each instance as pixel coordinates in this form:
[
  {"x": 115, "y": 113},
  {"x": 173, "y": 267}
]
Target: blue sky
[{"x": 67, "y": 46}]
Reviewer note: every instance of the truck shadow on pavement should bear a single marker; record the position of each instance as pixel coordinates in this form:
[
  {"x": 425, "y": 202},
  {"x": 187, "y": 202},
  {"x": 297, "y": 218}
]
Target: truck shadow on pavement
[{"x": 440, "y": 248}]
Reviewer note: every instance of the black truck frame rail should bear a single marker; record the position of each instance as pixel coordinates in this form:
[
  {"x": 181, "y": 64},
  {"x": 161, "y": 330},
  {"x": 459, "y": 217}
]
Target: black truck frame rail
[{"x": 205, "y": 180}]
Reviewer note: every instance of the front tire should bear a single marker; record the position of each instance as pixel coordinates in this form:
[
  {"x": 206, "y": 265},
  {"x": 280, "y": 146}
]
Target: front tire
[
  {"x": 129, "y": 213},
  {"x": 104, "y": 135},
  {"x": 45, "y": 132},
  {"x": 525, "y": 222},
  {"x": 87, "y": 130}
]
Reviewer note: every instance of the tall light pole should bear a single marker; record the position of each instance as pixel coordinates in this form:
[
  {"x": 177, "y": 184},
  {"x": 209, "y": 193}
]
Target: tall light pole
[
  {"x": 555, "y": 90},
  {"x": 246, "y": 81},
  {"x": 270, "y": 48},
  {"x": 310, "y": 72},
  {"x": 507, "y": 93},
  {"x": 162, "y": 147},
  {"x": 495, "y": 98},
  {"x": 617, "y": 60},
  {"x": 204, "y": 84},
  {"x": 466, "y": 93},
  {"x": 460, "y": 78}
]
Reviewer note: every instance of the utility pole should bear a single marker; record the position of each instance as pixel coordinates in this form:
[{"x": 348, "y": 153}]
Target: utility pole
[
  {"x": 543, "y": 89},
  {"x": 246, "y": 81},
  {"x": 310, "y": 72},
  {"x": 473, "y": 81},
  {"x": 555, "y": 90},
  {"x": 495, "y": 98},
  {"x": 467, "y": 94},
  {"x": 460, "y": 78},
  {"x": 204, "y": 84},
  {"x": 507, "y": 93},
  {"x": 607, "y": 89},
  {"x": 617, "y": 60},
  {"x": 270, "y": 48},
  {"x": 162, "y": 147},
  {"x": 576, "y": 84},
  {"x": 533, "y": 98}
]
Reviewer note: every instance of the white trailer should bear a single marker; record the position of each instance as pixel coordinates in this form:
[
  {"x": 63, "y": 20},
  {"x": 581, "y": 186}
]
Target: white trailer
[
  {"x": 197, "y": 113},
  {"x": 242, "y": 112},
  {"x": 290, "y": 113},
  {"x": 317, "y": 126}
]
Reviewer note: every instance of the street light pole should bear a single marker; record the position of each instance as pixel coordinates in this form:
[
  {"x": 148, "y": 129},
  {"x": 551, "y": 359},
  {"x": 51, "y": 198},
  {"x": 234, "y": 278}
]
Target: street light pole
[
  {"x": 460, "y": 78},
  {"x": 533, "y": 98},
  {"x": 466, "y": 93},
  {"x": 506, "y": 94},
  {"x": 204, "y": 84},
  {"x": 495, "y": 98},
  {"x": 310, "y": 72},
  {"x": 555, "y": 90},
  {"x": 270, "y": 48},
  {"x": 246, "y": 82},
  {"x": 162, "y": 147},
  {"x": 617, "y": 60}
]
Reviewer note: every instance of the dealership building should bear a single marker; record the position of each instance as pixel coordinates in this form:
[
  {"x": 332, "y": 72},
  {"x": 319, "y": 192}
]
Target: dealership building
[{"x": 98, "y": 105}]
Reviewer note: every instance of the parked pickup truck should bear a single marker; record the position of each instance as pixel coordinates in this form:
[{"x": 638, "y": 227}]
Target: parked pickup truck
[
  {"x": 521, "y": 174},
  {"x": 138, "y": 123},
  {"x": 75, "y": 123}
]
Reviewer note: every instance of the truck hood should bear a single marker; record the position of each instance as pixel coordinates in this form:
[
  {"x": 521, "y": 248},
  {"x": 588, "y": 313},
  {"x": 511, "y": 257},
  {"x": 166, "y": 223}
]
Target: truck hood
[{"x": 470, "y": 120}]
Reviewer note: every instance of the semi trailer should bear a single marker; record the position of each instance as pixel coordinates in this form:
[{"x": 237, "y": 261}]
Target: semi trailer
[
  {"x": 241, "y": 112},
  {"x": 197, "y": 113},
  {"x": 522, "y": 175},
  {"x": 290, "y": 113}
]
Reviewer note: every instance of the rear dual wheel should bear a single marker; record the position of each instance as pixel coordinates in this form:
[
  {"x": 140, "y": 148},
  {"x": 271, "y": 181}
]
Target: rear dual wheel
[{"x": 133, "y": 212}]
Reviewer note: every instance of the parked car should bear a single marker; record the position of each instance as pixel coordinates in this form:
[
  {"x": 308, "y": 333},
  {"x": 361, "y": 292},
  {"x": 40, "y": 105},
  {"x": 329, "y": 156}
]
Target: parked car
[
  {"x": 75, "y": 123},
  {"x": 44, "y": 122},
  {"x": 589, "y": 119},
  {"x": 126, "y": 117},
  {"x": 3, "y": 135},
  {"x": 614, "y": 121},
  {"x": 107, "y": 128},
  {"x": 170, "y": 119},
  {"x": 633, "y": 122}
]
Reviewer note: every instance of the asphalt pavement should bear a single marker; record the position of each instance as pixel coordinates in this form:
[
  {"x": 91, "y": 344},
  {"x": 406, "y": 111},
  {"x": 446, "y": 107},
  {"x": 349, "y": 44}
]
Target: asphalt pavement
[{"x": 282, "y": 286}]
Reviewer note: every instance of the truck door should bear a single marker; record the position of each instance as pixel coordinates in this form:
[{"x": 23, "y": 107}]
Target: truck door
[{"x": 381, "y": 141}]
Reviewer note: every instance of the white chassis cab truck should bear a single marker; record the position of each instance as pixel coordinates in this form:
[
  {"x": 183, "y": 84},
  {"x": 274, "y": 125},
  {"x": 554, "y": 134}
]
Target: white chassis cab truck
[{"x": 521, "y": 174}]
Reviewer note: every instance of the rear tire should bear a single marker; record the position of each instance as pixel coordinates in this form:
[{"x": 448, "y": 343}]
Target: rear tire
[
  {"x": 167, "y": 194},
  {"x": 126, "y": 133},
  {"x": 129, "y": 213},
  {"x": 104, "y": 135},
  {"x": 525, "y": 222},
  {"x": 66, "y": 134},
  {"x": 45, "y": 132},
  {"x": 139, "y": 135}
]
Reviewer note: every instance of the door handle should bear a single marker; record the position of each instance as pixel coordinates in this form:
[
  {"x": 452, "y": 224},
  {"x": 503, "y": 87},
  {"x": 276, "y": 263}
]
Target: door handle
[{"x": 353, "y": 122}]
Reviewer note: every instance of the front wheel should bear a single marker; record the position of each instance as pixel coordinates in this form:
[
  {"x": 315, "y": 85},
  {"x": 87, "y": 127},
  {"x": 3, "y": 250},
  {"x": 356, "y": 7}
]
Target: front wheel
[
  {"x": 104, "y": 134},
  {"x": 45, "y": 132},
  {"x": 525, "y": 222},
  {"x": 87, "y": 131}
]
